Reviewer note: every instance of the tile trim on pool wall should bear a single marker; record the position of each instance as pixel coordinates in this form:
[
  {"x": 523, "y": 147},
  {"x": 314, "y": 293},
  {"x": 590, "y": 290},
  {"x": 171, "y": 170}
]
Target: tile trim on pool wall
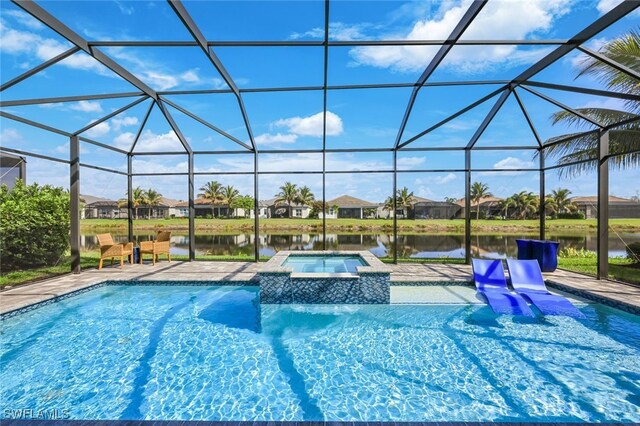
[
  {"x": 90, "y": 287},
  {"x": 627, "y": 307}
]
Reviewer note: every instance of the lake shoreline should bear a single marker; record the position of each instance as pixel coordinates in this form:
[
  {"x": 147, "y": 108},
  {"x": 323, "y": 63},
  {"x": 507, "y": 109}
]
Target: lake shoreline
[{"x": 420, "y": 226}]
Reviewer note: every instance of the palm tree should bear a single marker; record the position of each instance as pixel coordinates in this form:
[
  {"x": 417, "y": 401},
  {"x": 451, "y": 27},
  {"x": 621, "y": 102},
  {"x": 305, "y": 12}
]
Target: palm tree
[
  {"x": 229, "y": 194},
  {"x": 305, "y": 196},
  {"x": 152, "y": 198},
  {"x": 405, "y": 200},
  {"x": 525, "y": 203},
  {"x": 558, "y": 202},
  {"x": 479, "y": 191},
  {"x": 624, "y": 139},
  {"x": 506, "y": 204},
  {"x": 288, "y": 194},
  {"x": 211, "y": 191},
  {"x": 137, "y": 198},
  {"x": 451, "y": 200},
  {"x": 388, "y": 205}
]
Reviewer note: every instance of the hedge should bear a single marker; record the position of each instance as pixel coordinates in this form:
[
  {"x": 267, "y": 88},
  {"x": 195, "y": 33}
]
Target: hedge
[{"x": 34, "y": 226}]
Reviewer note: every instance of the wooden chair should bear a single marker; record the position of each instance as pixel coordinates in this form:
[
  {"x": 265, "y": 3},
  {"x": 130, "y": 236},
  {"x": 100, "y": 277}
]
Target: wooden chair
[
  {"x": 160, "y": 246},
  {"x": 109, "y": 249}
]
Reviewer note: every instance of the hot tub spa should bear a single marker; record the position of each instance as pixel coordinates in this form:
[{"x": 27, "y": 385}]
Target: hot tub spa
[{"x": 322, "y": 277}]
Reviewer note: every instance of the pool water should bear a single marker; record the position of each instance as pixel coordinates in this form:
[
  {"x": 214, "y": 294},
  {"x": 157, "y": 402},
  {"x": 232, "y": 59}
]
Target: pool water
[
  {"x": 330, "y": 264},
  {"x": 213, "y": 353}
]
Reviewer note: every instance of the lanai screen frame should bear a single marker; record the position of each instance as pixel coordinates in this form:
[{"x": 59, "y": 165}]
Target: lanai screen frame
[{"x": 507, "y": 87}]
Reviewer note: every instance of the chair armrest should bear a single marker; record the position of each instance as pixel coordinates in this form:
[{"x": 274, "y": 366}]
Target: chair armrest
[
  {"x": 146, "y": 245},
  {"x": 112, "y": 250}
]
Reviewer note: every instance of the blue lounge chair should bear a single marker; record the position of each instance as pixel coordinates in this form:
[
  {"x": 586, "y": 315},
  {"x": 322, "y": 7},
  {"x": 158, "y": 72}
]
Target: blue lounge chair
[
  {"x": 527, "y": 281},
  {"x": 490, "y": 281}
]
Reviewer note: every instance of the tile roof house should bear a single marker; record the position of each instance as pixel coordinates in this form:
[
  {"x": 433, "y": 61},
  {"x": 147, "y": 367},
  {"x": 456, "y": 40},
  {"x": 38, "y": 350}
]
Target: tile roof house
[
  {"x": 348, "y": 207},
  {"x": 619, "y": 208}
]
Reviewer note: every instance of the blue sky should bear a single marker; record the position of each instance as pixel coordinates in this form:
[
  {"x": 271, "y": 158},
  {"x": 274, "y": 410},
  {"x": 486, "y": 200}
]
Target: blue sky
[{"x": 293, "y": 120}]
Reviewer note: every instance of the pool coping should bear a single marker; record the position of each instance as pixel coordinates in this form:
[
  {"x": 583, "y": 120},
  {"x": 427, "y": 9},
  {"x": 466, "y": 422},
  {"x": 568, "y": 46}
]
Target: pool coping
[
  {"x": 623, "y": 306},
  {"x": 374, "y": 265}
]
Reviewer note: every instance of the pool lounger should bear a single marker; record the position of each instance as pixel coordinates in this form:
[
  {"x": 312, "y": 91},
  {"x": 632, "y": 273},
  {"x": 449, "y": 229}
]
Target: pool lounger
[
  {"x": 490, "y": 281},
  {"x": 527, "y": 280}
]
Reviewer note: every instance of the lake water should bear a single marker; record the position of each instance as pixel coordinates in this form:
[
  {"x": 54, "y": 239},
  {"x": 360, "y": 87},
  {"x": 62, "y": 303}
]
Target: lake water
[{"x": 380, "y": 244}]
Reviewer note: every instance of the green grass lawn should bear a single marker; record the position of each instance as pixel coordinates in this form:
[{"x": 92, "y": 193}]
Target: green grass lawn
[
  {"x": 620, "y": 269},
  {"x": 89, "y": 260},
  {"x": 421, "y": 225}
]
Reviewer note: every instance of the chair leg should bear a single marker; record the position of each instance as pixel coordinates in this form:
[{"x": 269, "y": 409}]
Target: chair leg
[
  {"x": 113, "y": 259},
  {"x": 169, "y": 255},
  {"x": 100, "y": 264},
  {"x": 122, "y": 262},
  {"x": 131, "y": 259},
  {"x": 153, "y": 255}
]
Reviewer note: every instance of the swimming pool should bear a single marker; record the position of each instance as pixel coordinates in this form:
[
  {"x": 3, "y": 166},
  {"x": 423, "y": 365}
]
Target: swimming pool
[
  {"x": 213, "y": 353},
  {"x": 324, "y": 263}
]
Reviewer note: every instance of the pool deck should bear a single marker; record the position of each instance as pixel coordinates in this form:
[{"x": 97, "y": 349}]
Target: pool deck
[{"x": 407, "y": 274}]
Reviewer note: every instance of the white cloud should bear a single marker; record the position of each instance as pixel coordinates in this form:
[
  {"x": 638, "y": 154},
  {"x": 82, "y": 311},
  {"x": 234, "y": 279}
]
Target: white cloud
[
  {"x": 405, "y": 163},
  {"x": 125, "y": 10},
  {"x": 17, "y": 42},
  {"x": 150, "y": 141},
  {"x": 337, "y": 31},
  {"x": 64, "y": 149},
  {"x": 51, "y": 105},
  {"x": 154, "y": 166},
  {"x": 124, "y": 140},
  {"x": 278, "y": 138},
  {"x": 513, "y": 163},
  {"x": 190, "y": 76},
  {"x": 86, "y": 106},
  {"x": 608, "y": 103},
  {"x": 98, "y": 130},
  {"x": 312, "y": 125},
  {"x": 125, "y": 121},
  {"x": 159, "y": 80},
  {"x": 577, "y": 60},
  {"x": 11, "y": 136},
  {"x": 605, "y": 6},
  {"x": 24, "y": 19},
  {"x": 441, "y": 180},
  {"x": 505, "y": 19}
]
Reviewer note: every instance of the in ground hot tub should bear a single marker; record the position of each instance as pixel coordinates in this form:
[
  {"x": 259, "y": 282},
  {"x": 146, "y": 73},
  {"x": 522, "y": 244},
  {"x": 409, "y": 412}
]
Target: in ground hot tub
[{"x": 319, "y": 277}]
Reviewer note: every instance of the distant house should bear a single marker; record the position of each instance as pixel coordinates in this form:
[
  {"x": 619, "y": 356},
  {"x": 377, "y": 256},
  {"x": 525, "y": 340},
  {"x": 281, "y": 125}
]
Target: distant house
[
  {"x": 204, "y": 208},
  {"x": 489, "y": 206},
  {"x": 12, "y": 168},
  {"x": 263, "y": 210},
  {"x": 281, "y": 210},
  {"x": 348, "y": 207},
  {"x": 100, "y": 208},
  {"x": 387, "y": 214},
  {"x": 619, "y": 208},
  {"x": 430, "y": 209},
  {"x": 167, "y": 207}
]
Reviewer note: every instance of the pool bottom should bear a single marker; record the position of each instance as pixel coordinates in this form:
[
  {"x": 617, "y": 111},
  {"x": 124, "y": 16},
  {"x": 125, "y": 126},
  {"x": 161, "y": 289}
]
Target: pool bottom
[{"x": 213, "y": 353}]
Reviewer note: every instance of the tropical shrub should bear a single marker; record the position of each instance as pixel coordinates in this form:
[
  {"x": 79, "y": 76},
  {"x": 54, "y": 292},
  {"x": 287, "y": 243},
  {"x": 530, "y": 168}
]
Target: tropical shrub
[
  {"x": 571, "y": 215},
  {"x": 633, "y": 252},
  {"x": 34, "y": 226},
  {"x": 570, "y": 252}
]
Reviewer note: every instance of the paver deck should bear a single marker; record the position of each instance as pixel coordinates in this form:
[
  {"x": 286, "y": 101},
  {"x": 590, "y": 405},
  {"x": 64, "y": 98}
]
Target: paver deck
[{"x": 24, "y": 295}]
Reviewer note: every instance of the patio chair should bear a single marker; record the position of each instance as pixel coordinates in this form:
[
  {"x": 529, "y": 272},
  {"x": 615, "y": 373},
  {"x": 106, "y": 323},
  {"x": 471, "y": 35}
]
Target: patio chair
[
  {"x": 160, "y": 246},
  {"x": 111, "y": 250},
  {"x": 491, "y": 283},
  {"x": 527, "y": 280}
]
